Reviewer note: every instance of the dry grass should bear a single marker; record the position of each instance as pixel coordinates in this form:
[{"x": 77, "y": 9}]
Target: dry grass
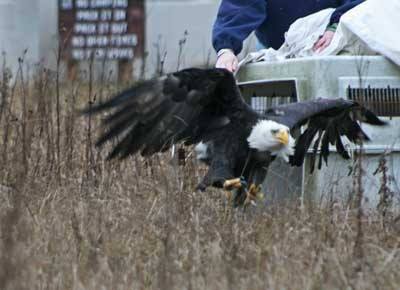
[{"x": 69, "y": 220}]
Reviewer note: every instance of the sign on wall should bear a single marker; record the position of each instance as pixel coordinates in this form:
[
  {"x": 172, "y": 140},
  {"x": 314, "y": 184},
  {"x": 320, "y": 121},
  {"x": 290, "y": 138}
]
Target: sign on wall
[{"x": 101, "y": 29}]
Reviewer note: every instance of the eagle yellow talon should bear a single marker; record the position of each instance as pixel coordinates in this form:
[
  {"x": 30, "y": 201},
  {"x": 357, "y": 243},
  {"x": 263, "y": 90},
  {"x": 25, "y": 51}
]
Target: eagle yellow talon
[
  {"x": 232, "y": 183},
  {"x": 252, "y": 194}
]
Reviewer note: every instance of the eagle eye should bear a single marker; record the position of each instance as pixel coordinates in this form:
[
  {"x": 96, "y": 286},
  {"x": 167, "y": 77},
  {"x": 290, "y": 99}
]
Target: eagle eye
[{"x": 274, "y": 131}]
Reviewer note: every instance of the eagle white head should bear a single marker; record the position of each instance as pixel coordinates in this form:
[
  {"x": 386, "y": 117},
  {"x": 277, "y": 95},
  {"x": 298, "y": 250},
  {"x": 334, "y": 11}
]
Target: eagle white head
[{"x": 273, "y": 137}]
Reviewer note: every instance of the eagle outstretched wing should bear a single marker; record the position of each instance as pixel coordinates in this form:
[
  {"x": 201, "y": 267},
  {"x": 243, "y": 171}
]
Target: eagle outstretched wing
[
  {"x": 327, "y": 121},
  {"x": 187, "y": 105}
]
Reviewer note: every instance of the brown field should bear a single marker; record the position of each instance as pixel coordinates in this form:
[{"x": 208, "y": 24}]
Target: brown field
[{"x": 70, "y": 220}]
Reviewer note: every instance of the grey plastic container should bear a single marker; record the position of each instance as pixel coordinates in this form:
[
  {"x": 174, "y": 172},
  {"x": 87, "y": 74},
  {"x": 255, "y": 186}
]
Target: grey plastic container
[{"x": 332, "y": 77}]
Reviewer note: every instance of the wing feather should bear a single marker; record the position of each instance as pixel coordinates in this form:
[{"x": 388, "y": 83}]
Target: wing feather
[
  {"x": 333, "y": 118},
  {"x": 155, "y": 114}
]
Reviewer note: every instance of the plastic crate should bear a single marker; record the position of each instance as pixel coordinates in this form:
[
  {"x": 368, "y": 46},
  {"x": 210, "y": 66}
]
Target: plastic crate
[{"x": 372, "y": 80}]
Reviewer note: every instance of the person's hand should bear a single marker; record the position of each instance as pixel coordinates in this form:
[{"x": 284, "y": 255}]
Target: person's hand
[
  {"x": 324, "y": 41},
  {"x": 227, "y": 60}
]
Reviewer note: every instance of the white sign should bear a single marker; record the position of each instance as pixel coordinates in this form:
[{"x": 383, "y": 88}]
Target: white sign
[{"x": 100, "y": 29}]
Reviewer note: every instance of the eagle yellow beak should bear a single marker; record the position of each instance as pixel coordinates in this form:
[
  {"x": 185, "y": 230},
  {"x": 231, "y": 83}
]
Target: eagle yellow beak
[{"x": 282, "y": 136}]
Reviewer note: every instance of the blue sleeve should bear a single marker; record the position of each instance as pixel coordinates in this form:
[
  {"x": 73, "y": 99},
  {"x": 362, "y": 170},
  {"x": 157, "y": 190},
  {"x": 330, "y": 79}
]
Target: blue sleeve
[
  {"x": 236, "y": 19},
  {"x": 346, "y": 6}
]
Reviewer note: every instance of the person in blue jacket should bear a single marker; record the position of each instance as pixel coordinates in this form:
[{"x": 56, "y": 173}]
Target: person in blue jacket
[{"x": 269, "y": 19}]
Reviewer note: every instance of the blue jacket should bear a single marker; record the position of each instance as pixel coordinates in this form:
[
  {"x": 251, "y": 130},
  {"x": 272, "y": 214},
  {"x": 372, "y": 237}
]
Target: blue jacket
[{"x": 270, "y": 19}]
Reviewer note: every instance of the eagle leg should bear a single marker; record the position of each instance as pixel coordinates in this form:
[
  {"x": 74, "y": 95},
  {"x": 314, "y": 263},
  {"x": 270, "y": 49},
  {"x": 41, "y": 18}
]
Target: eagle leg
[
  {"x": 235, "y": 184},
  {"x": 239, "y": 182},
  {"x": 252, "y": 194}
]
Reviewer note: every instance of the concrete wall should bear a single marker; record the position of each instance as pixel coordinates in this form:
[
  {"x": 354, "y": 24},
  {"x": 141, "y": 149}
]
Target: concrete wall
[
  {"x": 48, "y": 31},
  {"x": 19, "y": 22},
  {"x": 166, "y": 24}
]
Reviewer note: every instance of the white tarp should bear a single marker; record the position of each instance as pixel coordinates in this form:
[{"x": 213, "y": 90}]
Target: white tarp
[
  {"x": 372, "y": 25},
  {"x": 370, "y": 28}
]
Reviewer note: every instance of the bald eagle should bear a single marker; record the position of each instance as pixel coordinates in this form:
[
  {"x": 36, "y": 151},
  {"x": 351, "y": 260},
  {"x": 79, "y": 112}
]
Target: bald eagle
[{"x": 205, "y": 107}]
